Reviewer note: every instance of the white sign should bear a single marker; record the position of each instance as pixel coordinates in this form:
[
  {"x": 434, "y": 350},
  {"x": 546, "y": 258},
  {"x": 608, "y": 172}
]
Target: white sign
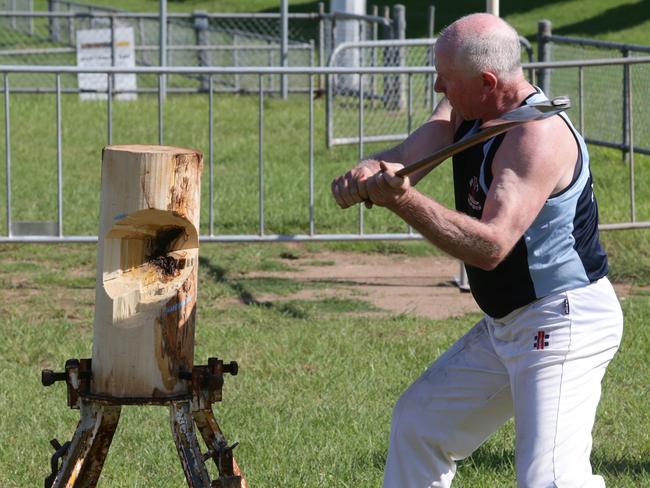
[{"x": 94, "y": 50}]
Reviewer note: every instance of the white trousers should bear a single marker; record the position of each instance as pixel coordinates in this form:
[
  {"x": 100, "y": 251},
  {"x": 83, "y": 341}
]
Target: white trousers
[{"x": 543, "y": 364}]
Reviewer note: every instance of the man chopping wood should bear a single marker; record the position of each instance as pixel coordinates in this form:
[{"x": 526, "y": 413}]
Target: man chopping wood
[{"x": 526, "y": 227}]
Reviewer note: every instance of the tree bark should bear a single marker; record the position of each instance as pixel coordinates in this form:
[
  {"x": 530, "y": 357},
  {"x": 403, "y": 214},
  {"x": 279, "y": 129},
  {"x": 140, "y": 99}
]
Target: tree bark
[{"x": 147, "y": 262}]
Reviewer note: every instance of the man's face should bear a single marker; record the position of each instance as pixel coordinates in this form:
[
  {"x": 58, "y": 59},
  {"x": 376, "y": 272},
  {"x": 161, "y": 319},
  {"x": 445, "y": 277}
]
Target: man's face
[{"x": 463, "y": 91}]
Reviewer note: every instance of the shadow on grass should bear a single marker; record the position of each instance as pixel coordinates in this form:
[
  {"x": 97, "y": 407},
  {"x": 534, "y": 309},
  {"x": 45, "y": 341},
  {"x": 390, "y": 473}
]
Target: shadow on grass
[
  {"x": 417, "y": 11},
  {"x": 219, "y": 275},
  {"x": 611, "y": 20},
  {"x": 502, "y": 462},
  {"x": 638, "y": 469}
]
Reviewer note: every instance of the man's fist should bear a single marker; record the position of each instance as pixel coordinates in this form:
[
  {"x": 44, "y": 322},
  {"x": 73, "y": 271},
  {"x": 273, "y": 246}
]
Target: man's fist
[
  {"x": 386, "y": 189},
  {"x": 350, "y": 188}
]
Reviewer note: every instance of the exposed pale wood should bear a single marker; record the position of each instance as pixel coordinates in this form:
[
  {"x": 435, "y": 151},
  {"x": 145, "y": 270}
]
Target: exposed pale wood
[{"x": 147, "y": 263}]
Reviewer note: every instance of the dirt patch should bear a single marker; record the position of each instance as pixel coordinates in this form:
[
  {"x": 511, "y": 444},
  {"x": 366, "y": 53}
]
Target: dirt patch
[{"x": 422, "y": 286}]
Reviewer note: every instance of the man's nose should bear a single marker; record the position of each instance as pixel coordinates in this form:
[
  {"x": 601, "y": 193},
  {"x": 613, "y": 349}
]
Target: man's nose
[{"x": 438, "y": 86}]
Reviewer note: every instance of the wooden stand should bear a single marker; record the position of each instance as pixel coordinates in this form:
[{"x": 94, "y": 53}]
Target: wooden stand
[{"x": 145, "y": 308}]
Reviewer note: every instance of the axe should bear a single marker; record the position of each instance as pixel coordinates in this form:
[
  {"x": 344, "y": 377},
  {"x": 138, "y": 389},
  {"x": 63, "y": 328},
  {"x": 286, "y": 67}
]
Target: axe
[{"x": 491, "y": 128}]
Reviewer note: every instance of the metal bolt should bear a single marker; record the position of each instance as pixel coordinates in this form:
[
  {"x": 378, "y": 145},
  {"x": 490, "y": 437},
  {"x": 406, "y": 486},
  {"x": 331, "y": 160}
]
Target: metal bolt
[
  {"x": 49, "y": 377},
  {"x": 232, "y": 368}
]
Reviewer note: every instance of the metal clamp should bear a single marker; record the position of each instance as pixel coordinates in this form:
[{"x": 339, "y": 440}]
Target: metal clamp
[{"x": 77, "y": 376}]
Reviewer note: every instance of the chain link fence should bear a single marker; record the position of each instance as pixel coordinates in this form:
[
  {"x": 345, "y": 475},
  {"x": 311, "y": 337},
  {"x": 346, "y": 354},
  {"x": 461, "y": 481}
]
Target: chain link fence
[
  {"x": 393, "y": 105},
  {"x": 21, "y": 25},
  {"x": 193, "y": 39},
  {"x": 605, "y": 94}
]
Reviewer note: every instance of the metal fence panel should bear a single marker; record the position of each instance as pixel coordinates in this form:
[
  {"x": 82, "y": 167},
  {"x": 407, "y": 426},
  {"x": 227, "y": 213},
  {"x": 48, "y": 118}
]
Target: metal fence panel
[
  {"x": 394, "y": 104},
  {"x": 196, "y": 39},
  {"x": 29, "y": 198}
]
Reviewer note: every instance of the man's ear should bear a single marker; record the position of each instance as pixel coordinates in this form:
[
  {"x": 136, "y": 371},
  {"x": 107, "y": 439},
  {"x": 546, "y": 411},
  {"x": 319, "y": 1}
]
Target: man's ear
[{"x": 489, "y": 81}]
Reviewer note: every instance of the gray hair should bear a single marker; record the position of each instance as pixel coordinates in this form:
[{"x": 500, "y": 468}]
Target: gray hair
[{"x": 495, "y": 50}]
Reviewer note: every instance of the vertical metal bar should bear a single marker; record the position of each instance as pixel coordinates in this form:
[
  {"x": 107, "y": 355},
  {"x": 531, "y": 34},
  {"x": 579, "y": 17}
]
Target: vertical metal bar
[
  {"x": 235, "y": 60},
  {"x": 311, "y": 155},
  {"x": 260, "y": 149},
  {"x": 142, "y": 42},
  {"x": 431, "y": 21},
  {"x": 581, "y": 95},
  {"x": 109, "y": 107},
  {"x": 625, "y": 128},
  {"x": 270, "y": 63},
  {"x": 59, "y": 158},
  {"x": 321, "y": 40},
  {"x": 329, "y": 110},
  {"x": 284, "y": 46},
  {"x": 428, "y": 87},
  {"x": 211, "y": 149},
  {"x": 71, "y": 41},
  {"x": 7, "y": 153},
  {"x": 544, "y": 32},
  {"x": 30, "y": 7},
  {"x": 163, "y": 42},
  {"x": 410, "y": 121},
  {"x": 111, "y": 21},
  {"x": 409, "y": 102},
  {"x": 630, "y": 141},
  {"x": 161, "y": 101},
  {"x": 13, "y": 17},
  {"x": 433, "y": 80},
  {"x": 373, "y": 58},
  {"x": 361, "y": 142}
]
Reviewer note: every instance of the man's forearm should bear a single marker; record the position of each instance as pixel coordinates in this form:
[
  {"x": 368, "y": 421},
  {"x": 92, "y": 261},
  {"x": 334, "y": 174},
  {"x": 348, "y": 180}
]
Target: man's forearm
[{"x": 456, "y": 234}]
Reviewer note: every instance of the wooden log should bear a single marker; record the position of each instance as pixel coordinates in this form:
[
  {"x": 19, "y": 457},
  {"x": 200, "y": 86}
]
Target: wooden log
[{"x": 147, "y": 262}]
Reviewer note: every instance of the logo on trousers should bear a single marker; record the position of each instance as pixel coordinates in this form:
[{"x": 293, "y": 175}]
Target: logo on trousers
[{"x": 541, "y": 340}]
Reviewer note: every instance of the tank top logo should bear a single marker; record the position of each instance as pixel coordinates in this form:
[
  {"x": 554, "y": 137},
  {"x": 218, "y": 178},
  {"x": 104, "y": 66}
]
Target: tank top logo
[{"x": 473, "y": 195}]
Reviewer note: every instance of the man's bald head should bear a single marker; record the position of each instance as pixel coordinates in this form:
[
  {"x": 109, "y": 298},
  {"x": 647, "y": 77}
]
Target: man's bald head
[{"x": 483, "y": 42}]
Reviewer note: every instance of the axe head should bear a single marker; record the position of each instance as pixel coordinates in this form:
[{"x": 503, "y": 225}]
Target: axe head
[{"x": 528, "y": 113}]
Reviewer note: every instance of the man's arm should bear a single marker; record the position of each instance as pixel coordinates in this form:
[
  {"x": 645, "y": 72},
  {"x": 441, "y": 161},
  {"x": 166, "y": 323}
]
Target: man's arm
[
  {"x": 525, "y": 173},
  {"x": 436, "y": 133}
]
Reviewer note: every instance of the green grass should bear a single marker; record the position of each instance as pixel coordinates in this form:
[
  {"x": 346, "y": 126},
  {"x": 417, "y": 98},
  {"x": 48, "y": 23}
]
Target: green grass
[
  {"x": 311, "y": 406},
  {"x": 622, "y": 20},
  {"x": 318, "y": 378},
  {"x": 285, "y": 151}
]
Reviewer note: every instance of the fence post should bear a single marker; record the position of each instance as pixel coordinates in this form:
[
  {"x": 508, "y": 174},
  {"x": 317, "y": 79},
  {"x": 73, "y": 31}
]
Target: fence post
[
  {"x": 53, "y": 21},
  {"x": 201, "y": 25},
  {"x": 321, "y": 41},
  {"x": 284, "y": 46},
  {"x": 431, "y": 21},
  {"x": 428, "y": 90},
  {"x": 373, "y": 58},
  {"x": 626, "y": 83},
  {"x": 395, "y": 93},
  {"x": 399, "y": 22},
  {"x": 30, "y": 7},
  {"x": 629, "y": 134},
  {"x": 544, "y": 31},
  {"x": 162, "y": 80}
]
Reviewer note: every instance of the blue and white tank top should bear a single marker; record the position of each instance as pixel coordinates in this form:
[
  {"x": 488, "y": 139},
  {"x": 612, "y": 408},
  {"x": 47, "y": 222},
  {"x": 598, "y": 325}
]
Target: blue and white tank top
[{"x": 560, "y": 250}]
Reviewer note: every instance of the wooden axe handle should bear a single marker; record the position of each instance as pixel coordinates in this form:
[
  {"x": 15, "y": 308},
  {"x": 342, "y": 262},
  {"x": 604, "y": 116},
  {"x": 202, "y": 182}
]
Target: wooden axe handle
[{"x": 514, "y": 118}]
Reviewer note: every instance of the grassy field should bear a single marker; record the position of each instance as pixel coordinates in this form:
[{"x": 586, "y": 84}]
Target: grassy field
[
  {"x": 311, "y": 405},
  {"x": 312, "y": 402}
]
